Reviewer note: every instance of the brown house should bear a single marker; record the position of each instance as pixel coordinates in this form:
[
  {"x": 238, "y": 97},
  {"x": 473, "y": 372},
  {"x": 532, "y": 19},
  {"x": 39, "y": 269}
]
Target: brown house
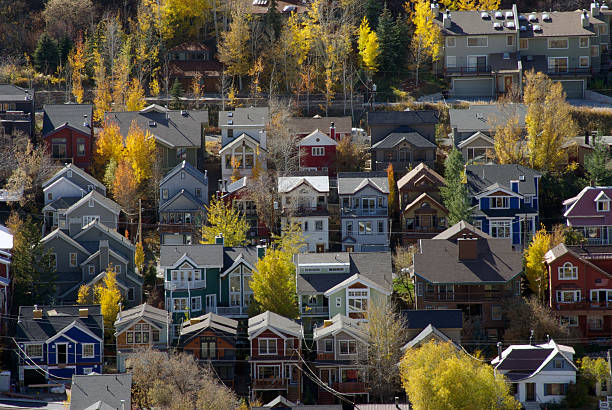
[
  {"x": 212, "y": 339},
  {"x": 190, "y": 60},
  {"x": 423, "y": 214}
]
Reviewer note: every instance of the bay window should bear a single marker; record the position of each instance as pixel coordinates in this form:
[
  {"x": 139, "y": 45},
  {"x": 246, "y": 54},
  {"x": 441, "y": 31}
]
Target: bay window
[
  {"x": 500, "y": 229},
  {"x": 568, "y": 296}
]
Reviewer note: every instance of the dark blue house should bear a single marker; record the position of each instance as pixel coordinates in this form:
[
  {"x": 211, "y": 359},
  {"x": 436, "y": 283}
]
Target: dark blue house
[
  {"x": 56, "y": 342},
  {"x": 505, "y": 200}
]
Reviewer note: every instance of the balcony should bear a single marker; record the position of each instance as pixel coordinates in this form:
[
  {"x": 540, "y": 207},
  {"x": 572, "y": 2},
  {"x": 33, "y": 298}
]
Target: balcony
[
  {"x": 475, "y": 296},
  {"x": 351, "y": 212},
  {"x": 231, "y": 310},
  {"x": 315, "y": 310},
  {"x": 185, "y": 284},
  {"x": 468, "y": 71},
  {"x": 351, "y": 387},
  {"x": 14, "y": 116},
  {"x": 569, "y": 72},
  {"x": 583, "y": 305},
  {"x": 270, "y": 384}
]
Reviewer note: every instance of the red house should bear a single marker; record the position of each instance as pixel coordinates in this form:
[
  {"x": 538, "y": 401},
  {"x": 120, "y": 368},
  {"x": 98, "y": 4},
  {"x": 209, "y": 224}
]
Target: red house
[
  {"x": 237, "y": 194},
  {"x": 580, "y": 285},
  {"x": 318, "y": 152},
  {"x": 275, "y": 354},
  {"x": 68, "y": 133}
]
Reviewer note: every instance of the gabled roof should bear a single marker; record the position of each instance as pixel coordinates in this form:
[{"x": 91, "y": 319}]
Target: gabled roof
[
  {"x": 234, "y": 256},
  {"x": 273, "y": 321},
  {"x": 414, "y": 172},
  {"x": 497, "y": 187},
  {"x": 520, "y": 362},
  {"x": 582, "y": 204},
  {"x": 208, "y": 321},
  {"x": 95, "y": 224},
  {"x": 481, "y": 177},
  {"x": 237, "y": 185},
  {"x": 58, "y": 233},
  {"x": 288, "y": 184},
  {"x": 241, "y": 138},
  {"x": 430, "y": 332},
  {"x": 420, "y": 198},
  {"x": 64, "y": 180},
  {"x": 64, "y": 202},
  {"x": 12, "y": 93},
  {"x": 454, "y": 230},
  {"x": 190, "y": 169},
  {"x": 245, "y": 116},
  {"x": 305, "y": 125},
  {"x": 209, "y": 255},
  {"x": 341, "y": 323},
  {"x": 357, "y": 278},
  {"x": 55, "y": 319},
  {"x": 395, "y": 138},
  {"x": 484, "y": 117},
  {"x": 77, "y": 170},
  {"x": 197, "y": 203},
  {"x": 440, "y": 318},
  {"x": 402, "y": 117},
  {"x": 352, "y": 182},
  {"x": 98, "y": 197},
  {"x": 317, "y": 138},
  {"x": 476, "y": 136},
  {"x": 144, "y": 311},
  {"x": 171, "y": 128},
  {"x": 77, "y": 116},
  {"x": 6, "y": 238},
  {"x": 110, "y": 389},
  {"x": 560, "y": 250}
]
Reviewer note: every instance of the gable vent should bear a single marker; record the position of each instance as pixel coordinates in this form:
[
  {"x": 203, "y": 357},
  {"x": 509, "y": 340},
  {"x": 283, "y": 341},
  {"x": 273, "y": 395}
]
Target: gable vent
[{"x": 521, "y": 177}]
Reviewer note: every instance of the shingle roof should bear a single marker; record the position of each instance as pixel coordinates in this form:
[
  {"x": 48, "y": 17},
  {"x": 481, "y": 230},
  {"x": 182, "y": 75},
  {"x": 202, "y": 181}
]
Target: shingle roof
[
  {"x": 402, "y": 117},
  {"x": 74, "y": 168},
  {"x": 110, "y": 389},
  {"x": 450, "y": 232},
  {"x": 442, "y": 319},
  {"x": 202, "y": 255},
  {"x": 500, "y": 62},
  {"x": 437, "y": 262},
  {"x": 481, "y": 177},
  {"x": 486, "y": 116},
  {"x": 56, "y": 115},
  {"x": 176, "y": 131},
  {"x": 190, "y": 169},
  {"x": 561, "y": 23},
  {"x": 273, "y": 320},
  {"x": 197, "y": 203},
  {"x": 317, "y": 138},
  {"x": 56, "y": 318},
  {"x": 351, "y": 182},
  {"x": 247, "y": 253},
  {"x": 208, "y": 321},
  {"x": 413, "y": 138},
  {"x": 425, "y": 334},
  {"x": 465, "y": 23},
  {"x": 64, "y": 202},
  {"x": 305, "y": 125},
  {"x": 139, "y": 312},
  {"x": 341, "y": 323},
  {"x": 10, "y": 92},
  {"x": 245, "y": 116},
  {"x": 288, "y": 184},
  {"x": 107, "y": 202},
  {"x": 374, "y": 266},
  {"x": 415, "y": 171}
]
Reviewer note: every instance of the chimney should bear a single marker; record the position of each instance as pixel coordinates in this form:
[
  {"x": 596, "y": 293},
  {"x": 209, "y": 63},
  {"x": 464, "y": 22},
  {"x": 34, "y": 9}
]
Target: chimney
[
  {"x": 594, "y": 9},
  {"x": 194, "y": 321},
  {"x": 446, "y": 19},
  {"x": 332, "y": 131},
  {"x": 499, "y": 350},
  {"x": 37, "y": 313},
  {"x": 83, "y": 312},
  {"x": 435, "y": 9},
  {"x": 585, "y": 19},
  {"x": 85, "y": 121},
  {"x": 261, "y": 249},
  {"x": 327, "y": 323},
  {"x": 468, "y": 248},
  {"x": 219, "y": 240}
]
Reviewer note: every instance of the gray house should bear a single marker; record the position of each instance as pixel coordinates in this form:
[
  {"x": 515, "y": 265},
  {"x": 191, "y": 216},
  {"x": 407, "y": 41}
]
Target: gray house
[
  {"x": 64, "y": 189},
  {"x": 178, "y": 134},
  {"x": 486, "y": 53},
  {"x": 364, "y": 211},
  {"x": 93, "y": 206},
  {"x": 183, "y": 195},
  {"x": 16, "y": 110},
  {"x": 402, "y": 138}
]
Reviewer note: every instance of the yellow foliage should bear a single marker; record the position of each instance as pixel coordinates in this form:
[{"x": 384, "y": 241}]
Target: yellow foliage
[
  {"x": 535, "y": 270},
  {"x": 140, "y": 151},
  {"x": 466, "y": 4},
  {"x": 85, "y": 296},
  {"x": 509, "y": 147},
  {"x": 368, "y": 46},
  {"x": 76, "y": 59},
  {"x": 235, "y": 169},
  {"x": 110, "y": 143},
  {"x": 109, "y": 296},
  {"x": 488, "y": 4},
  {"x": 291, "y": 240},
  {"x": 102, "y": 95},
  {"x": 154, "y": 86},
  {"x": 121, "y": 74},
  {"x": 139, "y": 256},
  {"x": 135, "y": 97},
  {"x": 438, "y": 376},
  {"x": 273, "y": 284},
  {"x": 234, "y": 50},
  {"x": 224, "y": 220},
  {"x": 426, "y": 40}
]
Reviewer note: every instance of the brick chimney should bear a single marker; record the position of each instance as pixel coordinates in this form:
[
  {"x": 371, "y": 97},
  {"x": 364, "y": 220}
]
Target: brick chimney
[
  {"x": 467, "y": 248},
  {"x": 332, "y": 130},
  {"x": 83, "y": 312},
  {"x": 37, "y": 313}
]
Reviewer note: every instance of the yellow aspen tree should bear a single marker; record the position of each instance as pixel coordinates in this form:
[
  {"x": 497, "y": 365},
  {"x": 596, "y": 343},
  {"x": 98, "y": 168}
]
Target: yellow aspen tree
[
  {"x": 368, "y": 46},
  {"x": 508, "y": 143},
  {"x": 86, "y": 295},
  {"x": 109, "y": 296},
  {"x": 273, "y": 284},
  {"x": 125, "y": 187},
  {"x": 234, "y": 50},
  {"x": 140, "y": 152},
  {"x": 489, "y": 4},
  {"x": 145, "y": 39},
  {"x": 109, "y": 143},
  {"x": 225, "y": 220},
  {"x": 466, "y": 4},
  {"x": 135, "y": 100},
  {"x": 139, "y": 256},
  {"x": 197, "y": 88},
  {"x": 235, "y": 169},
  {"x": 121, "y": 74},
  {"x": 254, "y": 72},
  {"x": 76, "y": 59},
  {"x": 426, "y": 40},
  {"x": 535, "y": 270},
  {"x": 102, "y": 95}
]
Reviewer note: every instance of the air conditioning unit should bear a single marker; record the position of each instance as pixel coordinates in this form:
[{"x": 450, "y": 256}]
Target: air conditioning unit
[
  {"x": 509, "y": 15},
  {"x": 546, "y": 17},
  {"x": 533, "y": 17},
  {"x": 484, "y": 15},
  {"x": 499, "y": 15},
  {"x": 497, "y": 25},
  {"x": 522, "y": 18},
  {"x": 510, "y": 25},
  {"x": 537, "y": 27}
]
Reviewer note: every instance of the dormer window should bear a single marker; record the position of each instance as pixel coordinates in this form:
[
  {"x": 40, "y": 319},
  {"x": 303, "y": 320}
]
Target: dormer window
[
  {"x": 568, "y": 271},
  {"x": 602, "y": 202},
  {"x": 500, "y": 202}
]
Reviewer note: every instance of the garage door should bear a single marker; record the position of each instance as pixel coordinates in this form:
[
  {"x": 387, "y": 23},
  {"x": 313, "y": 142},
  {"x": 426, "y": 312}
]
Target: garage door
[
  {"x": 574, "y": 88},
  {"x": 481, "y": 87}
]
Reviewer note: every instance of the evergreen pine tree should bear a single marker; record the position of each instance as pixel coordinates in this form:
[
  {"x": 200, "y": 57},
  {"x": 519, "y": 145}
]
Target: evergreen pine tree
[
  {"x": 64, "y": 46},
  {"x": 373, "y": 8},
  {"x": 272, "y": 21},
  {"x": 455, "y": 194},
  {"x": 595, "y": 164},
  {"x": 386, "y": 40},
  {"x": 176, "y": 92},
  {"x": 46, "y": 55}
]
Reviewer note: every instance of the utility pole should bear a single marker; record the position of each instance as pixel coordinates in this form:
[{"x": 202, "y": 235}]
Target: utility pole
[{"x": 139, "y": 220}]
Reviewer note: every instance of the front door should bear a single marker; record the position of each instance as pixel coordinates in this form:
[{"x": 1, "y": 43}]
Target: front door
[
  {"x": 327, "y": 376},
  {"x": 320, "y": 247},
  {"x": 507, "y": 83},
  {"x": 530, "y": 394},
  {"x": 211, "y": 303},
  {"x": 62, "y": 353}
]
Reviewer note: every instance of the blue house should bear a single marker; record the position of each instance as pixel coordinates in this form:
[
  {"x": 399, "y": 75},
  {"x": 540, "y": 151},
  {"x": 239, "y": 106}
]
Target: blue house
[
  {"x": 505, "y": 200},
  {"x": 56, "y": 342}
]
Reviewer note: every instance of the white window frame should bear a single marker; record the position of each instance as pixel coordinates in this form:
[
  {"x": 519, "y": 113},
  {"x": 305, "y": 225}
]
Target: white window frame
[
  {"x": 420, "y": 288},
  {"x": 478, "y": 37},
  {"x": 551, "y": 67},
  {"x": 198, "y": 303},
  {"x": 325, "y": 345},
  {"x": 505, "y": 202},
  {"x": 31, "y": 355},
  {"x": 567, "y": 268},
  {"x": 338, "y": 302},
  {"x": 451, "y": 41},
  {"x": 91, "y": 269},
  {"x": 318, "y": 151},
  {"x": 521, "y": 42},
  {"x": 500, "y": 224},
  {"x": 87, "y": 219},
  {"x": 93, "y": 350},
  {"x": 91, "y": 203},
  {"x": 357, "y": 295},
  {"x": 570, "y": 320},
  {"x": 348, "y": 344},
  {"x": 558, "y": 39},
  {"x": 510, "y": 40},
  {"x": 576, "y": 293},
  {"x": 605, "y": 207},
  {"x": 268, "y": 342},
  {"x": 595, "y": 295},
  {"x": 588, "y": 42},
  {"x": 235, "y": 293},
  {"x": 76, "y": 260},
  {"x": 475, "y": 67},
  {"x": 185, "y": 304},
  {"x": 451, "y": 61},
  {"x": 278, "y": 366}
]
